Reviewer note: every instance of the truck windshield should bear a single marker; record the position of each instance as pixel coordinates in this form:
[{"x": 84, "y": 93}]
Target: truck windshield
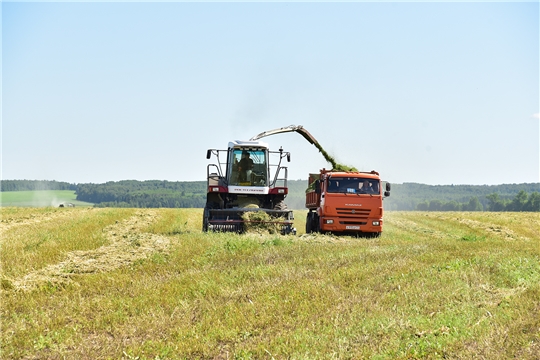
[
  {"x": 248, "y": 168},
  {"x": 353, "y": 185}
]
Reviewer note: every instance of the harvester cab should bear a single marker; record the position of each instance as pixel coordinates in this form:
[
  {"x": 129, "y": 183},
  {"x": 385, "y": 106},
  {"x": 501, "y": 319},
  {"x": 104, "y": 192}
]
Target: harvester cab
[{"x": 247, "y": 177}]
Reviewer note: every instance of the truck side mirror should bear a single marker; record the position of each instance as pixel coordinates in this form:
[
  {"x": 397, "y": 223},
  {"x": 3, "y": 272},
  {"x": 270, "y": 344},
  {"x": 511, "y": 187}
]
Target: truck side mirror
[
  {"x": 388, "y": 187},
  {"x": 288, "y": 157},
  {"x": 208, "y": 154},
  {"x": 387, "y": 193}
]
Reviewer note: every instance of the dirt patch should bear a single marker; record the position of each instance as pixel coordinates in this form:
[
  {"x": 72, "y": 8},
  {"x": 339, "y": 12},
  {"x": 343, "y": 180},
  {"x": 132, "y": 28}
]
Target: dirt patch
[{"x": 127, "y": 244}]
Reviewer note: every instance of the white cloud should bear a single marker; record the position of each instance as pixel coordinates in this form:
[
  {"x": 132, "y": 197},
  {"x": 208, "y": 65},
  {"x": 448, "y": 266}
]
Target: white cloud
[{"x": 536, "y": 116}]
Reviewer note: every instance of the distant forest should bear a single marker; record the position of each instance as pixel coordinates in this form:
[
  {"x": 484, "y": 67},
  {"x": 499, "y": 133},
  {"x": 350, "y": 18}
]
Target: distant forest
[
  {"x": 407, "y": 196},
  {"x": 506, "y": 197},
  {"x": 144, "y": 194},
  {"x": 35, "y": 185}
]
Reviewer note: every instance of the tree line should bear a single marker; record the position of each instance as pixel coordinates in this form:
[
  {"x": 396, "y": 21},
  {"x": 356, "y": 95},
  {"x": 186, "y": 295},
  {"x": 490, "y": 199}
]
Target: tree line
[
  {"x": 414, "y": 196},
  {"x": 35, "y": 185},
  {"x": 192, "y": 194},
  {"x": 144, "y": 194},
  {"x": 521, "y": 202}
]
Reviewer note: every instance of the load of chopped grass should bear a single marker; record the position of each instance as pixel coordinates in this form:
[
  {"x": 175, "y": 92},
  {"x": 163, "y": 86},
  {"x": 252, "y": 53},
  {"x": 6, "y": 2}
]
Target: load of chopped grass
[
  {"x": 260, "y": 222},
  {"x": 335, "y": 166}
]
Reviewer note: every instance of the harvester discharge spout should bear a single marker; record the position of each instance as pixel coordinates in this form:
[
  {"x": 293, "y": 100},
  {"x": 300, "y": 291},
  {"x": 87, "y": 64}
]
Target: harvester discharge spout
[{"x": 298, "y": 128}]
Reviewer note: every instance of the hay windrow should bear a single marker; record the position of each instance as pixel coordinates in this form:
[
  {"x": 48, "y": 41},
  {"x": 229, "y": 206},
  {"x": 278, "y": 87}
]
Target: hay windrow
[
  {"x": 127, "y": 245},
  {"x": 326, "y": 238},
  {"x": 492, "y": 229}
]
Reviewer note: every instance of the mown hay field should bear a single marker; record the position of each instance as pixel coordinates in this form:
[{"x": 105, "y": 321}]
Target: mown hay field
[
  {"x": 148, "y": 284},
  {"x": 40, "y": 198}
]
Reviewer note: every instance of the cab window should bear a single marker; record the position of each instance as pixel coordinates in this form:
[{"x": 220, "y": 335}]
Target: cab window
[{"x": 248, "y": 168}]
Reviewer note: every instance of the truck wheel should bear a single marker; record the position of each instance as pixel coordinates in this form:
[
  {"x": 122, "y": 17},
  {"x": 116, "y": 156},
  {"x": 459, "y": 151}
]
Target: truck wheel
[
  {"x": 309, "y": 224},
  {"x": 316, "y": 223}
]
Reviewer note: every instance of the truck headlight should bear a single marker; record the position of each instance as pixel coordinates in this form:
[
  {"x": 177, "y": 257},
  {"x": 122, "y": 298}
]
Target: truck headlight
[
  {"x": 376, "y": 223},
  {"x": 215, "y": 189},
  {"x": 329, "y": 221}
]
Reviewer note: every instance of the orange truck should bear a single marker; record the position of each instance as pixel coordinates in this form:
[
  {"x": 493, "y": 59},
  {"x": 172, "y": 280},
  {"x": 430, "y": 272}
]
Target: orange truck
[{"x": 345, "y": 202}]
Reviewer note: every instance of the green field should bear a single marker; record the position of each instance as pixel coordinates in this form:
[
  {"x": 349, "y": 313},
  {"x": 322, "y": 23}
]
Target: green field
[
  {"x": 40, "y": 198},
  {"x": 148, "y": 284}
]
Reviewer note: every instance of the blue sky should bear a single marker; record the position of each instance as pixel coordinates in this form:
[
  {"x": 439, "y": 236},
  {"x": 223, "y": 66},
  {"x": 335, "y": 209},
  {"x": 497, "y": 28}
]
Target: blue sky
[{"x": 434, "y": 93}]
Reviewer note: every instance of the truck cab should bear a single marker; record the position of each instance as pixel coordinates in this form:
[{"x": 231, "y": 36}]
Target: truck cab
[{"x": 345, "y": 202}]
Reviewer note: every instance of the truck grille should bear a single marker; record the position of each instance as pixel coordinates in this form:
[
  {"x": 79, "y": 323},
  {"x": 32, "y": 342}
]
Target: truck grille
[{"x": 353, "y": 212}]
